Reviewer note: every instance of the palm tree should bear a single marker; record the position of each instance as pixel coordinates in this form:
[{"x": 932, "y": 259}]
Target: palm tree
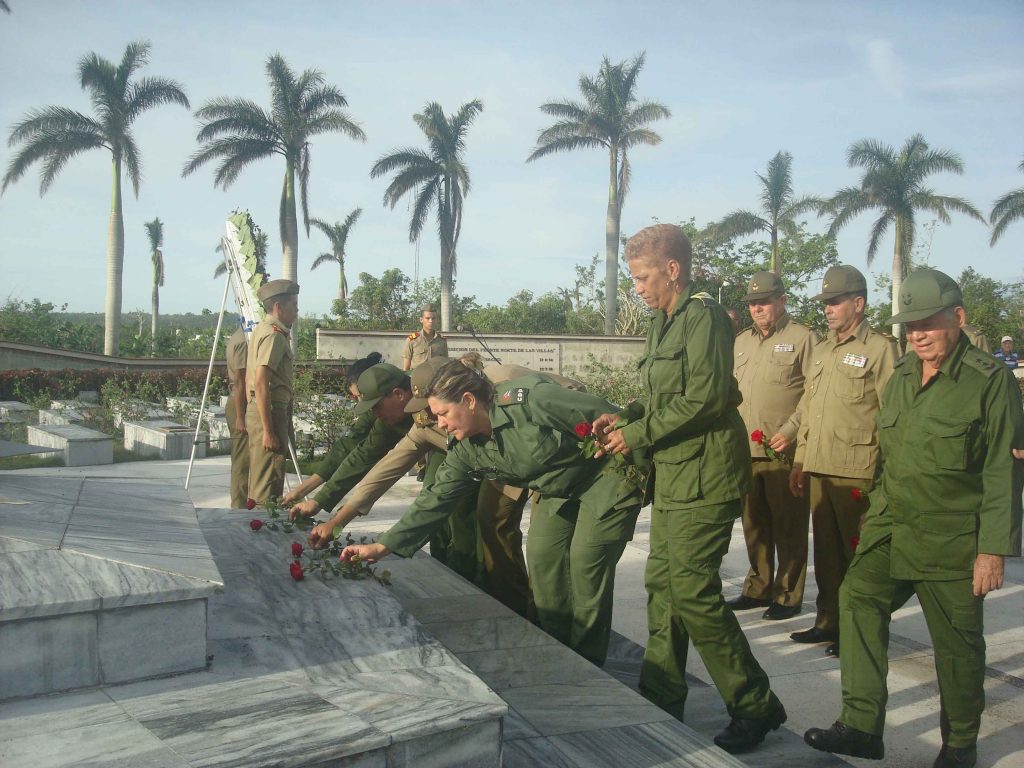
[
  {"x": 155, "y": 233},
  {"x": 1007, "y": 209},
  {"x": 778, "y": 210},
  {"x": 894, "y": 184},
  {"x": 438, "y": 179},
  {"x": 237, "y": 132},
  {"x": 609, "y": 117},
  {"x": 337, "y": 233},
  {"x": 4, "y": 6},
  {"x": 54, "y": 135}
]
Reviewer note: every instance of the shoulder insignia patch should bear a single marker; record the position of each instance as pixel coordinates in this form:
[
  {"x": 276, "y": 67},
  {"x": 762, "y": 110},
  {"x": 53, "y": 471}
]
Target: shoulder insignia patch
[
  {"x": 515, "y": 396},
  {"x": 979, "y": 361},
  {"x": 704, "y": 297},
  {"x": 413, "y": 335}
]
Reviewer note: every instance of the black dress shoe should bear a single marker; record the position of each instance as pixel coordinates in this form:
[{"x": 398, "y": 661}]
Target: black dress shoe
[
  {"x": 744, "y": 603},
  {"x": 778, "y": 612},
  {"x": 956, "y": 757},
  {"x": 814, "y": 635},
  {"x": 843, "y": 740},
  {"x": 833, "y": 650},
  {"x": 743, "y": 734}
]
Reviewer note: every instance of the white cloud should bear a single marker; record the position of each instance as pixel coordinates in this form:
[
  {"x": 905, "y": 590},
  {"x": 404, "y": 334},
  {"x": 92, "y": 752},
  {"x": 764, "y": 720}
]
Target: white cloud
[{"x": 887, "y": 67}]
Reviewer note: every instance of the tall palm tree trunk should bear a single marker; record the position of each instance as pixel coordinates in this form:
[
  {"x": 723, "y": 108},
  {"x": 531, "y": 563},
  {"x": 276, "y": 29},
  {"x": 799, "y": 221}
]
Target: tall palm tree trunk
[
  {"x": 776, "y": 261},
  {"x": 446, "y": 287},
  {"x": 153, "y": 317},
  {"x": 342, "y": 292},
  {"x": 611, "y": 245},
  {"x": 115, "y": 264},
  {"x": 290, "y": 239},
  {"x": 897, "y": 274}
]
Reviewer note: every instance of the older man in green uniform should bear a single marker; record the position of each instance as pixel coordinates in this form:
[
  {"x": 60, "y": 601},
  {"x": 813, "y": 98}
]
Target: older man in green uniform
[
  {"x": 425, "y": 343},
  {"x": 772, "y": 362},
  {"x": 945, "y": 513},
  {"x": 234, "y": 414},
  {"x": 837, "y": 444},
  {"x": 269, "y": 382},
  {"x": 689, "y": 423}
]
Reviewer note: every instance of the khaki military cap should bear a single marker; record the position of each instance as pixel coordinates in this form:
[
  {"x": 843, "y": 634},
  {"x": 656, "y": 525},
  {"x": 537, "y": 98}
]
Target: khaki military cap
[
  {"x": 840, "y": 281},
  {"x": 925, "y": 292},
  {"x": 277, "y": 288},
  {"x": 763, "y": 285},
  {"x": 422, "y": 375},
  {"x": 376, "y": 383},
  {"x": 428, "y": 307}
]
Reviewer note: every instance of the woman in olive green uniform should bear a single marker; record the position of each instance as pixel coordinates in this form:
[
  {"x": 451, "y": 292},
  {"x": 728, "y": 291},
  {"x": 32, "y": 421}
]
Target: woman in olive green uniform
[{"x": 525, "y": 435}]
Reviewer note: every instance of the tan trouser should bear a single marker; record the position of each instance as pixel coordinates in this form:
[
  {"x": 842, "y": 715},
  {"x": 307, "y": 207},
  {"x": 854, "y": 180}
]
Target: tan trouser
[
  {"x": 836, "y": 517},
  {"x": 266, "y": 468},
  {"x": 774, "y": 520},
  {"x": 239, "y": 458},
  {"x": 499, "y": 518}
]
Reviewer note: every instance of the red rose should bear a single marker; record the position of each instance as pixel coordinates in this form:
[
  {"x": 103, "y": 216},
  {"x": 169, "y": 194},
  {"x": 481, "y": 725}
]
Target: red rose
[
  {"x": 854, "y": 542},
  {"x": 296, "y": 570},
  {"x": 583, "y": 429},
  {"x": 757, "y": 436},
  {"x": 255, "y": 524},
  {"x": 296, "y": 549},
  {"x": 857, "y": 494},
  {"x": 250, "y": 503}
]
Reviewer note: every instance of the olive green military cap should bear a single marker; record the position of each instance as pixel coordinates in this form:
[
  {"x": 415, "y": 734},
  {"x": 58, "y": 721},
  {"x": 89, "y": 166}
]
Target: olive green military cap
[
  {"x": 925, "y": 292},
  {"x": 428, "y": 307},
  {"x": 840, "y": 281},
  {"x": 422, "y": 375},
  {"x": 763, "y": 285},
  {"x": 277, "y": 288},
  {"x": 376, "y": 383}
]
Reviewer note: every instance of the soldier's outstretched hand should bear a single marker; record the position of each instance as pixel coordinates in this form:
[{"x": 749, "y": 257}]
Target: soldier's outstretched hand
[
  {"x": 368, "y": 553},
  {"x": 306, "y": 508}
]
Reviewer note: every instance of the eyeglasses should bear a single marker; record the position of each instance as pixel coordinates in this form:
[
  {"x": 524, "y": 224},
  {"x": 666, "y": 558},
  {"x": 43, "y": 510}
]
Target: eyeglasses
[{"x": 485, "y": 473}]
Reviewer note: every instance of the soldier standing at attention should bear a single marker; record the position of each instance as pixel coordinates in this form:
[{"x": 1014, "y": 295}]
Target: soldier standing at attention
[
  {"x": 944, "y": 515},
  {"x": 837, "y": 445},
  {"x": 234, "y": 413},
  {"x": 424, "y": 343},
  {"x": 269, "y": 381},
  {"x": 689, "y": 423},
  {"x": 772, "y": 361}
]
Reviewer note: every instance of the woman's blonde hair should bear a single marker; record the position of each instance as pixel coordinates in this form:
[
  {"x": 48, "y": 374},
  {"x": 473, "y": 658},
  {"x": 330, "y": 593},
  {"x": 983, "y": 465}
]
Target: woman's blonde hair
[{"x": 454, "y": 379}]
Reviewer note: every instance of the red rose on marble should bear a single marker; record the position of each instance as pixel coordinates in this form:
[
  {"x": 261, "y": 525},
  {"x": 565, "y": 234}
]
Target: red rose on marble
[
  {"x": 250, "y": 503},
  {"x": 296, "y": 549},
  {"x": 255, "y": 524},
  {"x": 296, "y": 570},
  {"x": 757, "y": 436},
  {"x": 583, "y": 429},
  {"x": 857, "y": 494}
]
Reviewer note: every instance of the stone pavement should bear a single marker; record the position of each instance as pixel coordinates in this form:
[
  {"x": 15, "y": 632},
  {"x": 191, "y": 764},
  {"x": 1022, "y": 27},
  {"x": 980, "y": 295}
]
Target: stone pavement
[{"x": 805, "y": 679}]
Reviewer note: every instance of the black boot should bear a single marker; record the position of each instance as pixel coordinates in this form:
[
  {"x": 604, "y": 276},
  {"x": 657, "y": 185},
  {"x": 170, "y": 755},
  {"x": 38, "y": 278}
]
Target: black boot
[
  {"x": 743, "y": 734},
  {"x": 843, "y": 740},
  {"x": 956, "y": 757}
]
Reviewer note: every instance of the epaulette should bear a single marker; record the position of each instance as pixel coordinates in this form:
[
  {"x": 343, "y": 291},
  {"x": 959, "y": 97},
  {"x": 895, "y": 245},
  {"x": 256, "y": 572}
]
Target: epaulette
[
  {"x": 704, "y": 297},
  {"x": 979, "y": 361},
  {"x": 414, "y": 335},
  {"x": 278, "y": 329},
  {"x": 899, "y": 363},
  {"x": 515, "y": 396}
]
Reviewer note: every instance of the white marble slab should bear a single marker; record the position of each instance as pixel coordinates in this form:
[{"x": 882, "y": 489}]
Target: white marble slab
[
  {"x": 81, "y": 446},
  {"x": 138, "y": 410},
  {"x": 162, "y": 437},
  {"x": 60, "y": 416},
  {"x": 12, "y": 410}
]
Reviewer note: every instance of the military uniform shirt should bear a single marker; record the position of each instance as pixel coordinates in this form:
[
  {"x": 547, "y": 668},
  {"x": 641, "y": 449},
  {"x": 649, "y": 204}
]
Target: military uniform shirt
[
  {"x": 949, "y": 486},
  {"x": 419, "y": 347},
  {"x": 771, "y": 371},
  {"x": 357, "y": 432},
  {"x": 837, "y": 433},
  {"x": 532, "y": 444},
  {"x": 414, "y": 445},
  {"x": 237, "y": 353},
  {"x": 269, "y": 346},
  {"x": 381, "y": 439}
]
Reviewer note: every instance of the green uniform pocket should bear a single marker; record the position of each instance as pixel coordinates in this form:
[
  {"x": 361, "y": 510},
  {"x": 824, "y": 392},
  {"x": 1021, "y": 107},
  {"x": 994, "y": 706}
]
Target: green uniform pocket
[{"x": 947, "y": 443}]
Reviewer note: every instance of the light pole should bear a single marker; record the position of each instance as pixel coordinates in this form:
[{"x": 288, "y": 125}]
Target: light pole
[{"x": 725, "y": 284}]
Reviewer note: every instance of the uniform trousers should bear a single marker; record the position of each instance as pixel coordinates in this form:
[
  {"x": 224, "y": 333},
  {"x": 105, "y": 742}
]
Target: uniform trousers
[
  {"x": 239, "y": 458},
  {"x": 684, "y": 604},
  {"x": 457, "y": 543},
  {"x": 954, "y": 615},
  {"x": 266, "y": 468},
  {"x": 501, "y": 535},
  {"x": 572, "y": 549},
  {"x": 836, "y": 516},
  {"x": 774, "y": 520}
]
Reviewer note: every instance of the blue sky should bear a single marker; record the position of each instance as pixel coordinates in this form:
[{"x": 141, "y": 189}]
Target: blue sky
[{"x": 743, "y": 81}]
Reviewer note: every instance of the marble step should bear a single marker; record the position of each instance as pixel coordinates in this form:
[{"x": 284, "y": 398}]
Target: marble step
[{"x": 81, "y": 446}]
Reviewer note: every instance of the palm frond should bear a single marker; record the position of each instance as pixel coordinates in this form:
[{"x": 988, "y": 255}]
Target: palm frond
[
  {"x": 400, "y": 159},
  {"x": 421, "y": 208},
  {"x": 323, "y": 258},
  {"x": 566, "y": 110},
  {"x": 235, "y": 154},
  {"x": 149, "y": 92},
  {"x": 869, "y": 153},
  {"x": 132, "y": 162},
  {"x": 1007, "y": 209},
  {"x": 941, "y": 204},
  {"x": 334, "y": 121},
  {"x": 739, "y": 224},
  {"x": 567, "y": 144},
  {"x": 878, "y": 230},
  {"x": 304, "y": 163}
]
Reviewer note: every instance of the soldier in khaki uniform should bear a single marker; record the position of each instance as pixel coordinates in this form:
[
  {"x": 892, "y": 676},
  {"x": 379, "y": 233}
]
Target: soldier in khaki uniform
[
  {"x": 772, "y": 359},
  {"x": 234, "y": 413},
  {"x": 976, "y": 337},
  {"x": 425, "y": 343},
  {"x": 688, "y": 422},
  {"x": 837, "y": 445},
  {"x": 944, "y": 515},
  {"x": 269, "y": 382}
]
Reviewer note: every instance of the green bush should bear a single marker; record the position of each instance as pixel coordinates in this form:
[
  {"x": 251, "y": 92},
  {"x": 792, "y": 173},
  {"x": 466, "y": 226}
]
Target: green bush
[{"x": 616, "y": 384}]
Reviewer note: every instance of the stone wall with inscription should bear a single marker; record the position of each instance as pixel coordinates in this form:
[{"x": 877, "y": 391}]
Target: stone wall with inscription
[{"x": 554, "y": 354}]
